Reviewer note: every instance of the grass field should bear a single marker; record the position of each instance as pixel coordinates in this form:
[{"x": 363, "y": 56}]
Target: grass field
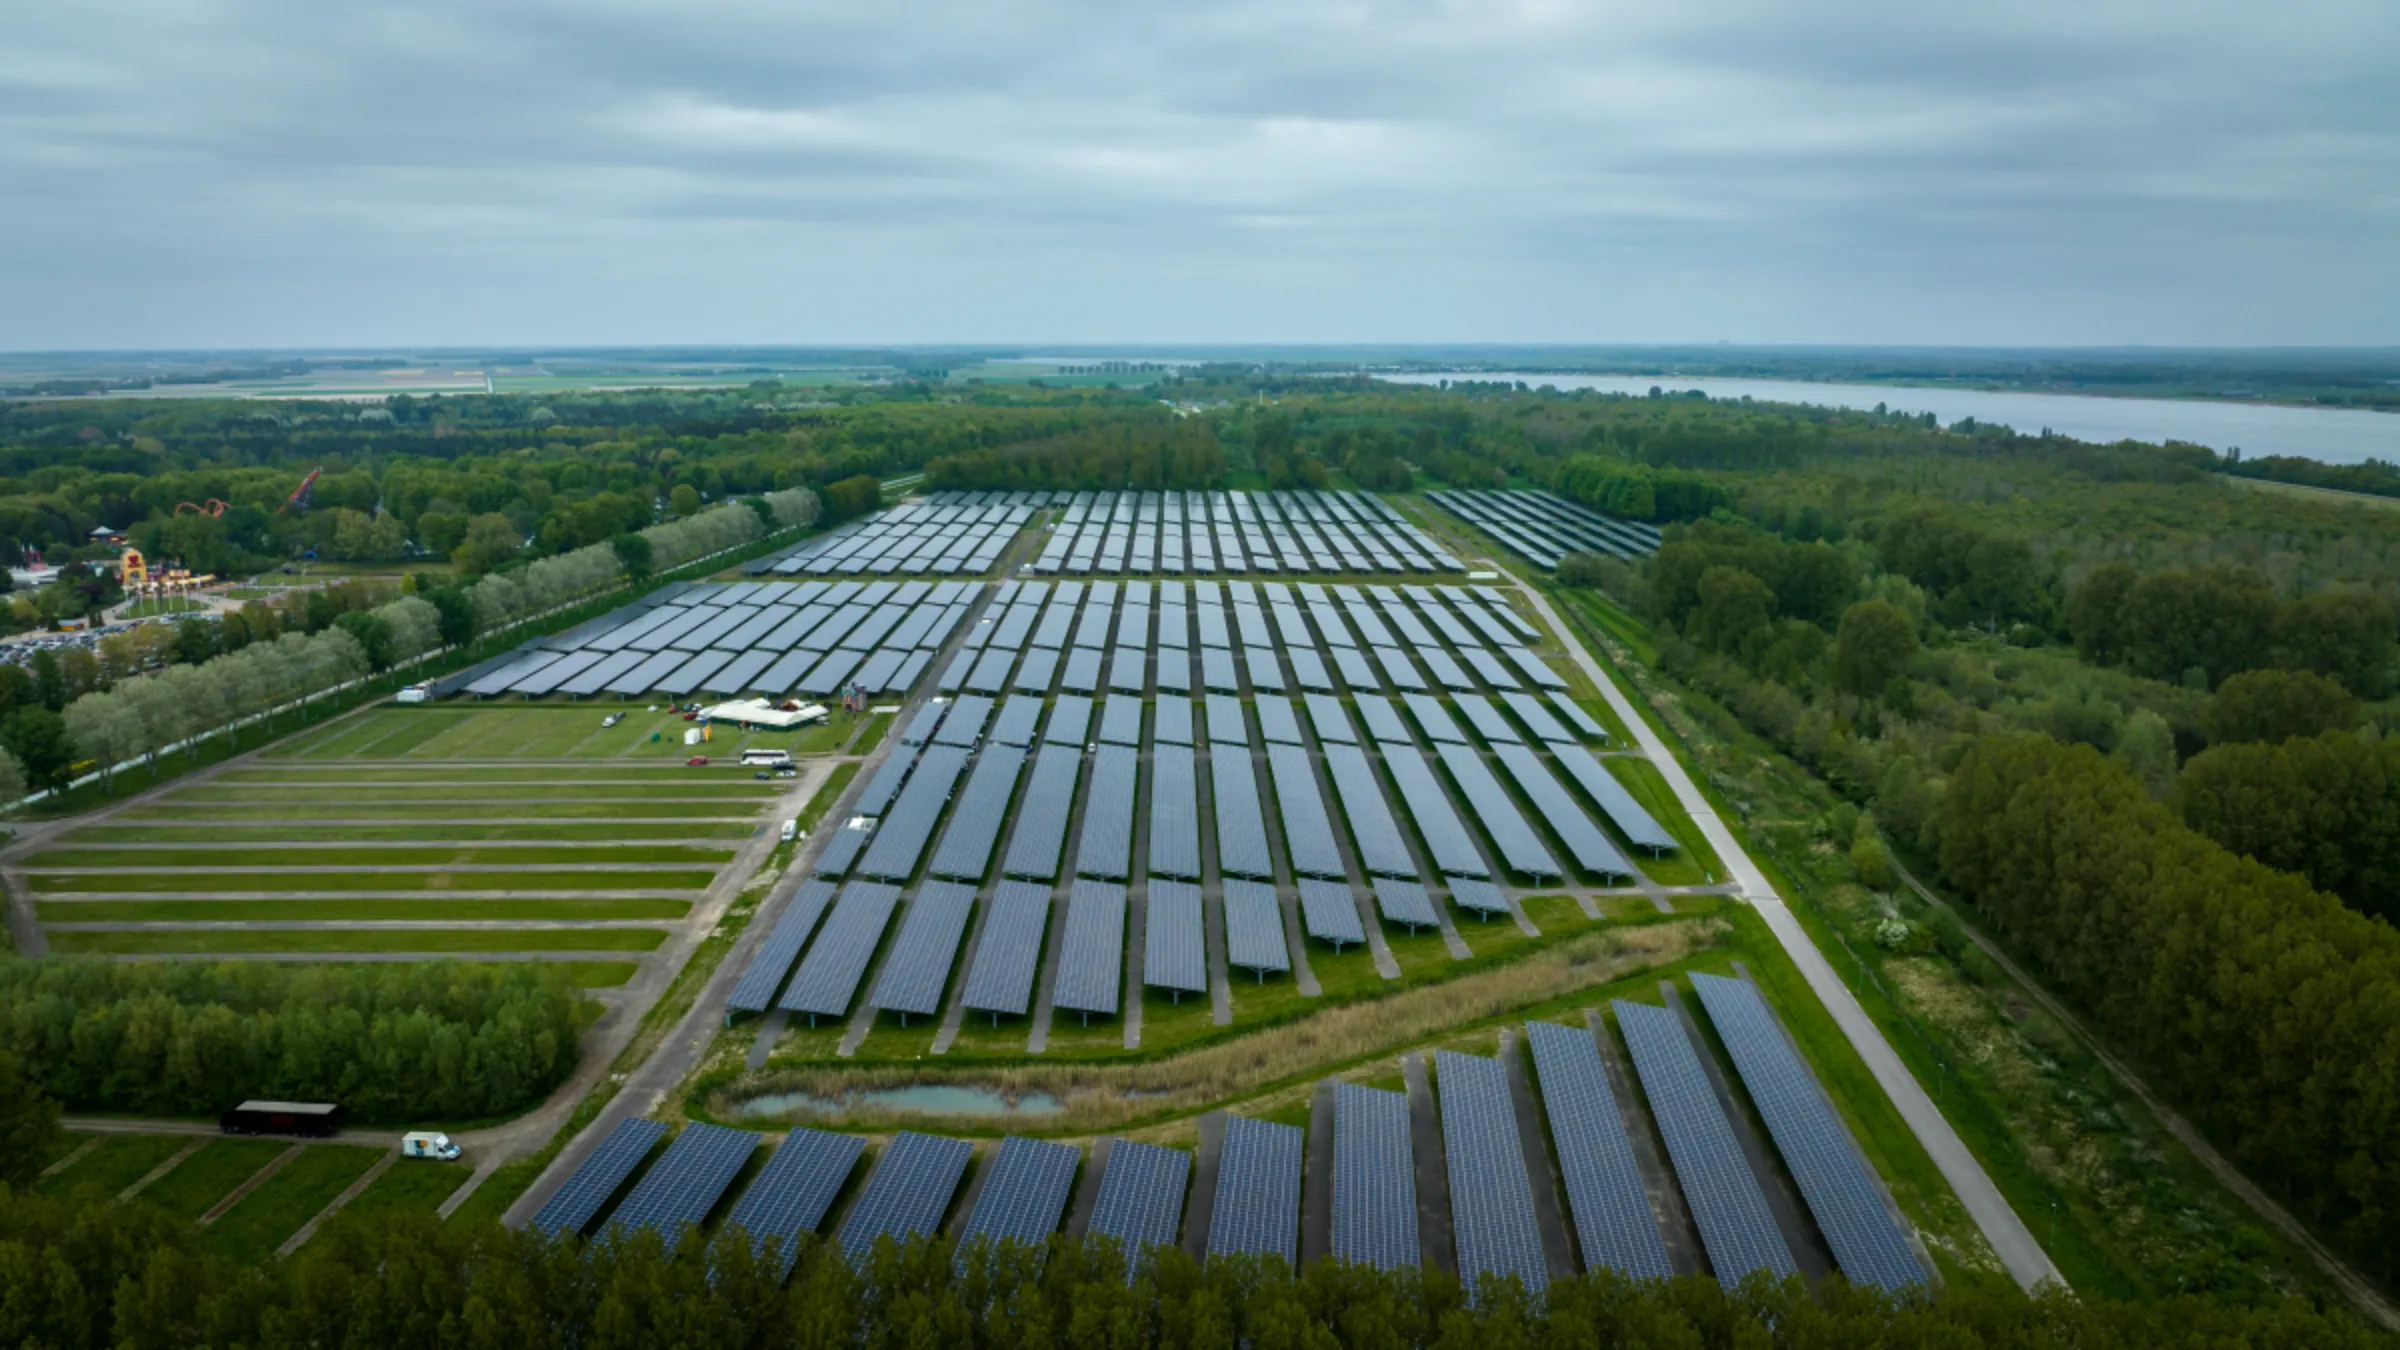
[
  {"x": 433, "y": 856},
  {"x": 158, "y": 606},
  {"x": 272, "y": 911},
  {"x": 373, "y": 879},
  {"x": 207, "y": 942},
  {"x": 260, "y": 1221},
  {"x": 562, "y": 731},
  {"x": 206, "y": 1177},
  {"x": 267, "y": 831},
  {"x": 410, "y": 1186},
  {"x": 117, "y": 1163}
]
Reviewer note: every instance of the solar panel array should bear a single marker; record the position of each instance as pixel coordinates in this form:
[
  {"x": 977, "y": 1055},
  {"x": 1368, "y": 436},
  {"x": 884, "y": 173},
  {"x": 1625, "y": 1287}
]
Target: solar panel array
[
  {"x": 1585, "y": 843},
  {"x": 1307, "y": 830},
  {"x": 966, "y": 851},
  {"x": 901, "y": 836},
  {"x": 830, "y": 973},
  {"x": 1254, "y": 938},
  {"x": 1521, "y": 850},
  {"x": 1241, "y": 821},
  {"x": 1381, "y": 850},
  {"x": 755, "y": 990},
  {"x": 1091, "y": 962},
  {"x": 1257, "y": 1206},
  {"x": 1374, "y": 1178},
  {"x": 1141, "y": 1195},
  {"x": 918, "y": 968},
  {"x": 1175, "y": 939},
  {"x": 1009, "y": 954},
  {"x": 792, "y": 1194},
  {"x": 771, "y": 639},
  {"x": 939, "y": 535},
  {"x": 1727, "y": 1205},
  {"x": 1605, "y": 1195},
  {"x": 1405, "y": 902},
  {"x": 1328, "y": 914},
  {"x": 575, "y": 1204},
  {"x": 1174, "y": 813},
  {"x": 1025, "y": 1193},
  {"x": 1614, "y": 799},
  {"x": 1041, "y": 833},
  {"x": 1546, "y": 528},
  {"x": 1849, "y": 1207},
  {"x": 685, "y": 1184},
  {"x": 907, "y": 1193},
  {"x": 1203, "y": 533},
  {"x": 1491, "y": 1194}
]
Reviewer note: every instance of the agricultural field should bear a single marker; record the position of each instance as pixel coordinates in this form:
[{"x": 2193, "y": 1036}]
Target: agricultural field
[{"x": 483, "y": 833}]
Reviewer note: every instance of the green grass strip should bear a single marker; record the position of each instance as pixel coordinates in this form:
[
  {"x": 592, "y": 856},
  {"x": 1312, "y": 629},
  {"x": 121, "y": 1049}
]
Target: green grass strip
[
  {"x": 179, "y": 883},
  {"x": 268, "y": 911},
  {"x": 120, "y": 1161},
  {"x": 410, "y": 1186},
  {"x": 206, "y": 1177},
  {"x": 434, "y": 856},
  {"x": 173, "y": 942},
  {"x": 270, "y": 832},
  {"x": 266, "y": 1217},
  {"x": 441, "y": 810}
]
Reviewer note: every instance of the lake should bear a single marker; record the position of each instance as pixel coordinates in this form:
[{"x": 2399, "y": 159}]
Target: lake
[{"x": 2328, "y": 435}]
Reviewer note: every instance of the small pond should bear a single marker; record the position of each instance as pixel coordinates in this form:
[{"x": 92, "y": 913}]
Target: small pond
[{"x": 931, "y": 1099}]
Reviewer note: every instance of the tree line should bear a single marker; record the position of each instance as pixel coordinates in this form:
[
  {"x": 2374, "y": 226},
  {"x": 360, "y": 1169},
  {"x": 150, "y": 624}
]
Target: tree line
[
  {"x": 1151, "y": 454},
  {"x": 395, "y": 1043},
  {"x": 2325, "y": 807},
  {"x": 2264, "y": 1007},
  {"x": 2202, "y": 625},
  {"x": 125, "y": 1276}
]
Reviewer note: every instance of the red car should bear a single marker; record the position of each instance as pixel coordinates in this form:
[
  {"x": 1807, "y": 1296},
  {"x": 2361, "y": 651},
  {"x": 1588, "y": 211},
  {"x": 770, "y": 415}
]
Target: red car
[{"x": 696, "y": 761}]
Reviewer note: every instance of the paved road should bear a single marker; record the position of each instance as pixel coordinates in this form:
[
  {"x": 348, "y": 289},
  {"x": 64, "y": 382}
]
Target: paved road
[{"x": 2011, "y": 1240}]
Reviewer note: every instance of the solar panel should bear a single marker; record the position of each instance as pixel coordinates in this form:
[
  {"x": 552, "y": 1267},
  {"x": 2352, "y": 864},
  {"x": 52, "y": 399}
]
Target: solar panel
[
  {"x": 964, "y": 726},
  {"x": 1374, "y": 1178},
  {"x": 1024, "y": 1194},
  {"x": 1487, "y": 721},
  {"x": 1174, "y": 939},
  {"x": 1435, "y": 719},
  {"x": 1727, "y": 1205},
  {"x": 1537, "y": 719},
  {"x": 907, "y": 1193},
  {"x": 1308, "y": 670},
  {"x": 1121, "y": 720},
  {"x": 1225, "y": 720},
  {"x": 1849, "y": 1207},
  {"x": 1494, "y": 671},
  {"x": 1141, "y": 1195},
  {"x": 1446, "y": 839},
  {"x": 1357, "y": 671},
  {"x": 1614, "y": 799},
  {"x": 1106, "y": 849},
  {"x": 755, "y": 990},
  {"x": 1035, "y": 673},
  {"x": 684, "y": 1185},
  {"x": 1398, "y": 670},
  {"x": 1174, "y": 720},
  {"x": 1383, "y": 722},
  {"x": 1082, "y": 674},
  {"x": 1091, "y": 959},
  {"x": 1265, "y": 671},
  {"x": 1276, "y": 721},
  {"x": 1577, "y": 718},
  {"x": 1328, "y": 913},
  {"x": 1536, "y": 670},
  {"x": 1307, "y": 830},
  {"x": 842, "y": 850},
  {"x": 1605, "y": 1193},
  {"x": 1590, "y": 848},
  {"x": 1491, "y": 1193},
  {"x": 1041, "y": 833},
  {"x": 792, "y": 1194},
  {"x": 1257, "y": 1206},
  {"x": 1520, "y": 849},
  {"x": 1380, "y": 847},
  {"x": 900, "y": 839},
  {"x": 829, "y": 974},
  {"x": 1254, "y": 938},
  {"x": 1218, "y": 673},
  {"x": 1018, "y": 718},
  {"x": 1070, "y": 720},
  {"x": 966, "y": 850},
  {"x": 1008, "y": 954},
  {"x": 575, "y": 1204},
  {"x": 1174, "y": 813},
  {"x": 919, "y": 965},
  {"x": 1241, "y": 822},
  {"x": 1174, "y": 670}
]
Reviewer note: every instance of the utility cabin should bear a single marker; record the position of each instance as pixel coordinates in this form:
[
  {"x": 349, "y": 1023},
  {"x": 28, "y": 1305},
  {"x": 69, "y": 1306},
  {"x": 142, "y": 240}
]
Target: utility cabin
[{"x": 308, "y": 1120}]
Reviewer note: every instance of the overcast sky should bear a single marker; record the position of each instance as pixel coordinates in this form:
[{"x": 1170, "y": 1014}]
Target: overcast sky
[{"x": 311, "y": 172}]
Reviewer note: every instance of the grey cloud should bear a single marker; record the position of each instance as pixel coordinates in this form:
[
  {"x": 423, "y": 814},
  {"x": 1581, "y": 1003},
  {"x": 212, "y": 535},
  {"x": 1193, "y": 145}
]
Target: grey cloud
[{"x": 274, "y": 172}]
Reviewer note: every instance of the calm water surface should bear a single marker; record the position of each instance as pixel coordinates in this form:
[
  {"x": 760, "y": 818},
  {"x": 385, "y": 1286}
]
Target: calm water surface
[
  {"x": 932, "y": 1099},
  {"x": 2330, "y": 435}
]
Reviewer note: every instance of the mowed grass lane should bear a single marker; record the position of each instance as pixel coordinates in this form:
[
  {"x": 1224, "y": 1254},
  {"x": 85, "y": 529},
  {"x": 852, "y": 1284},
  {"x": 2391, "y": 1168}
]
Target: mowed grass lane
[
  {"x": 538, "y": 731},
  {"x": 356, "y": 911},
  {"x": 259, "y": 1222},
  {"x": 267, "y": 833},
  {"x": 432, "y": 941}
]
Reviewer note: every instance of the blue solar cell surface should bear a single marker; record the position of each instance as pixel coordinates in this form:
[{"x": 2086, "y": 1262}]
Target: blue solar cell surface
[
  {"x": 1254, "y": 937},
  {"x": 1521, "y": 850},
  {"x": 575, "y": 1204},
  {"x": 1106, "y": 849},
  {"x": 1091, "y": 959},
  {"x": 1849, "y": 1207},
  {"x": 918, "y": 968},
  {"x": 1491, "y": 1195},
  {"x": 1446, "y": 839},
  {"x": 1008, "y": 954},
  {"x": 1141, "y": 1195},
  {"x": 1613, "y": 799},
  {"x": 1275, "y": 720},
  {"x": 1383, "y": 721},
  {"x": 1174, "y": 813},
  {"x": 1585, "y": 842},
  {"x": 1257, "y": 1207},
  {"x": 755, "y": 991},
  {"x": 1175, "y": 938},
  {"x": 1307, "y": 830},
  {"x": 966, "y": 850},
  {"x": 1727, "y": 1205},
  {"x": 1374, "y": 1178},
  {"x": 1025, "y": 1193},
  {"x": 1605, "y": 1195},
  {"x": 908, "y": 1192},
  {"x": 830, "y": 973},
  {"x": 1241, "y": 822},
  {"x": 1381, "y": 849},
  {"x": 1041, "y": 833},
  {"x": 683, "y": 1186},
  {"x": 793, "y": 1192},
  {"x": 1328, "y": 912},
  {"x": 1405, "y": 902},
  {"x": 900, "y": 839}
]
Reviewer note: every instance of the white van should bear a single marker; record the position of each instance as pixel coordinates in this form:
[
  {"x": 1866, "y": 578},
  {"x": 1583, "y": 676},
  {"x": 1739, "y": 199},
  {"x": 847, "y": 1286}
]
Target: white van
[{"x": 428, "y": 1144}]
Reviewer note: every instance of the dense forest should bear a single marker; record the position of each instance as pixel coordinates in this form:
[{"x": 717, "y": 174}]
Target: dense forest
[
  {"x": 393, "y": 1043},
  {"x": 101, "y": 1275}
]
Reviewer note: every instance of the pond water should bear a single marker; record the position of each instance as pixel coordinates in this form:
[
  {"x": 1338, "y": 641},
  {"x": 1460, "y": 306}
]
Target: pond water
[
  {"x": 931, "y": 1099},
  {"x": 2329, "y": 435}
]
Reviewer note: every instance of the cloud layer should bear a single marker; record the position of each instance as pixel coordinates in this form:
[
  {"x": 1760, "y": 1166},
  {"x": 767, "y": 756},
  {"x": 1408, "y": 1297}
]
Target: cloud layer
[{"x": 286, "y": 172}]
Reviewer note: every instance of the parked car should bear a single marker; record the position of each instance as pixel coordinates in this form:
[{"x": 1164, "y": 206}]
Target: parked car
[{"x": 696, "y": 762}]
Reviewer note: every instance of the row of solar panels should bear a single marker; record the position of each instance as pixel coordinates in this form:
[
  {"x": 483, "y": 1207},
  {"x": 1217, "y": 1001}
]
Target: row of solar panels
[
  {"x": 814, "y": 638},
  {"x": 1239, "y": 545},
  {"x": 1487, "y": 1130},
  {"x": 1545, "y": 528},
  {"x": 914, "y": 537}
]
